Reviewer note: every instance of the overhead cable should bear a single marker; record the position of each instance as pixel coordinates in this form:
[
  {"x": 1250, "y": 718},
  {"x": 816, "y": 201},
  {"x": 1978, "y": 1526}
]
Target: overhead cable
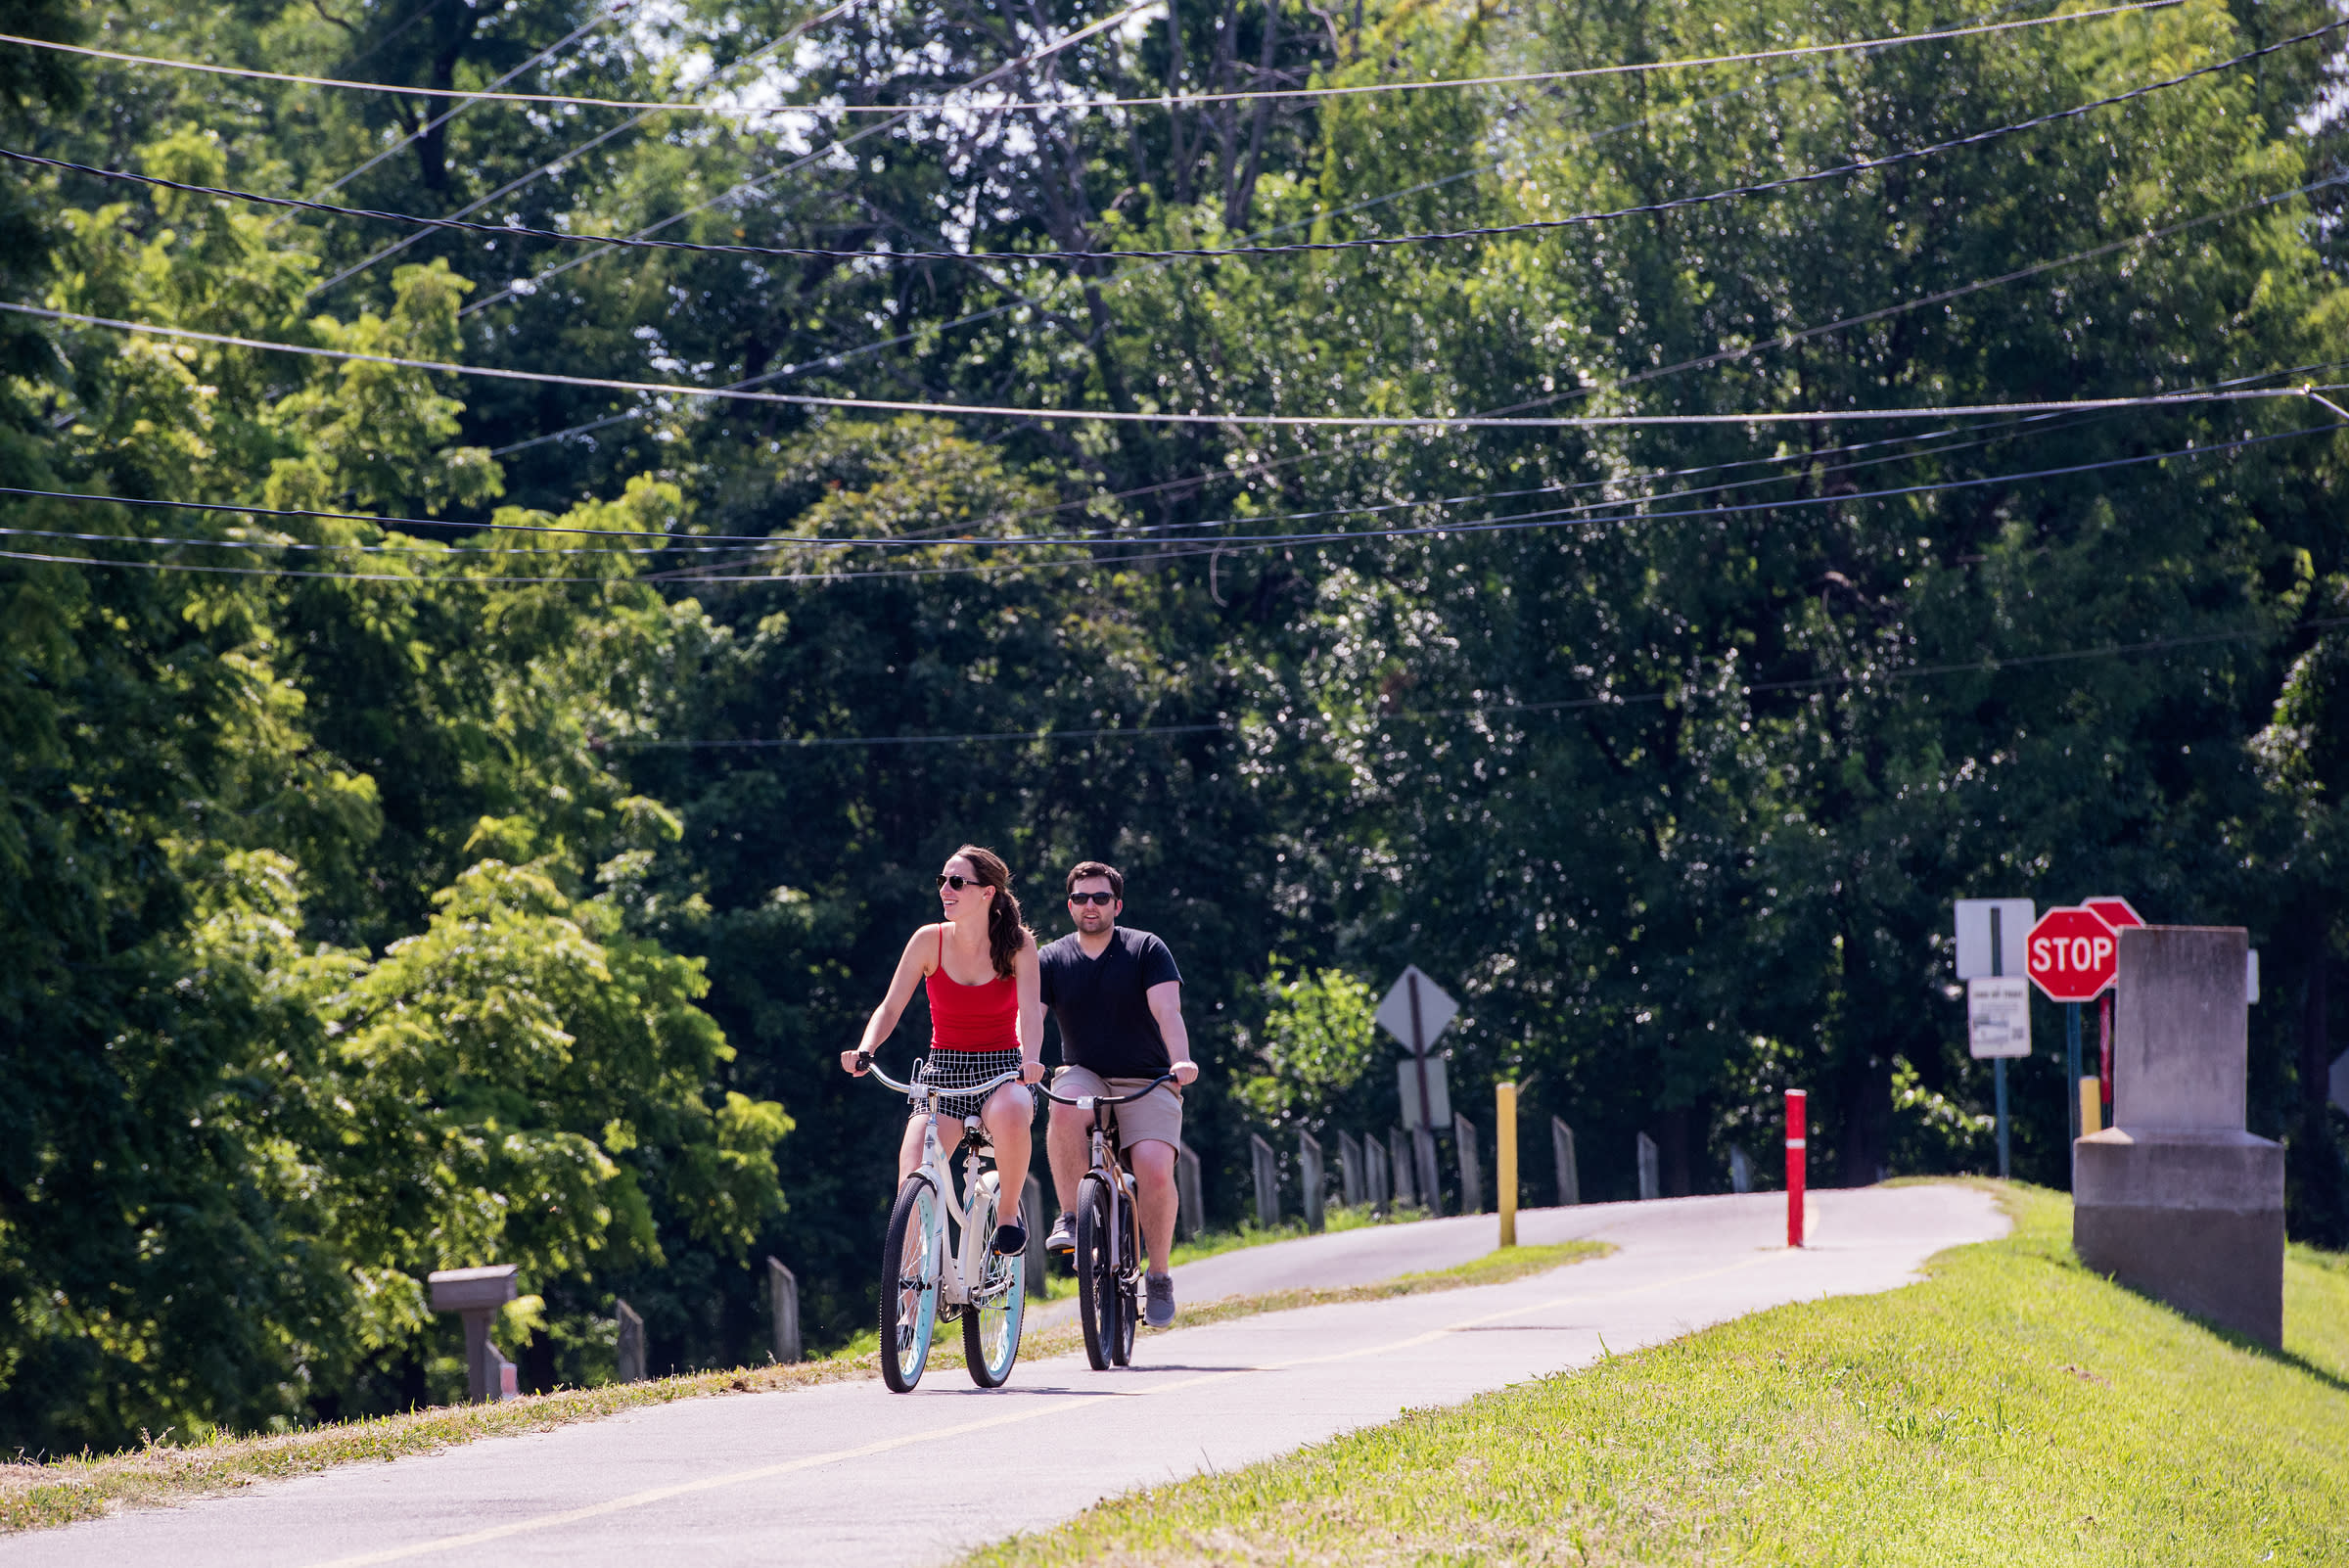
[
  {"x": 1175, "y": 101},
  {"x": 1819, "y": 416},
  {"x": 1206, "y": 252},
  {"x": 562, "y": 158},
  {"x": 1544, "y": 519}
]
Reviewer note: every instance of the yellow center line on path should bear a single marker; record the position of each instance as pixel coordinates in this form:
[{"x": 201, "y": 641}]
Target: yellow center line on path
[{"x": 815, "y": 1462}]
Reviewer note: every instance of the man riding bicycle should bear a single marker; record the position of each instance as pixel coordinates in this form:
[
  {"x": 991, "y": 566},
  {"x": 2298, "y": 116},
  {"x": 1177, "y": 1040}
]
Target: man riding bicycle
[{"x": 1118, "y": 997}]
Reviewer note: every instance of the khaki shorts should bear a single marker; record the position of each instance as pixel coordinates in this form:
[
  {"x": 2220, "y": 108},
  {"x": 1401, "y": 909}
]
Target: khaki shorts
[{"x": 1155, "y": 1116}]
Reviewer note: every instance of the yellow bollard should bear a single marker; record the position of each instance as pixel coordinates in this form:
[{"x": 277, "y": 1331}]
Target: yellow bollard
[
  {"x": 1504, "y": 1125},
  {"x": 2092, "y": 1107}
]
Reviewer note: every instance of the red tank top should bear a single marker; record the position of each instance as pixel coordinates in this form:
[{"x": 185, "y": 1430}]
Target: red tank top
[{"x": 971, "y": 1018}]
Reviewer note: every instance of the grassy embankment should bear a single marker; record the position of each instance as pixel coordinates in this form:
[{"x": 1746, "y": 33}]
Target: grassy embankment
[
  {"x": 37, "y": 1495},
  {"x": 2012, "y": 1410}
]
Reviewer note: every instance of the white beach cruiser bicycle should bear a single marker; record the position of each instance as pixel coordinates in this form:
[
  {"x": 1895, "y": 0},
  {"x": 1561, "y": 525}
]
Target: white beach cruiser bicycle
[{"x": 923, "y": 1277}]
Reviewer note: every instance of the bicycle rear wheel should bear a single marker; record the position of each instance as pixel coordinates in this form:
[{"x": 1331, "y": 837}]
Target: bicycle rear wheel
[
  {"x": 1097, "y": 1285},
  {"x": 910, "y": 1250},
  {"x": 991, "y": 1325}
]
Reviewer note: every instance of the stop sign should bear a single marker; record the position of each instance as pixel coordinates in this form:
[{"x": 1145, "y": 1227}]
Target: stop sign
[
  {"x": 2071, "y": 954},
  {"x": 2115, "y": 912}
]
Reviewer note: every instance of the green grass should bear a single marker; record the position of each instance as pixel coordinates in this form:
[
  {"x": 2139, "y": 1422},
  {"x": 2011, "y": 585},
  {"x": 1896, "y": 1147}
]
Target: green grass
[
  {"x": 2014, "y": 1409},
  {"x": 35, "y": 1497}
]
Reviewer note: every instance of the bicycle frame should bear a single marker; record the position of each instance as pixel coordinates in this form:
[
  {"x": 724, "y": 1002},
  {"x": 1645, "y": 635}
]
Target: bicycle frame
[
  {"x": 965, "y": 1260},
  {"x": 1125, "y": 1250}
]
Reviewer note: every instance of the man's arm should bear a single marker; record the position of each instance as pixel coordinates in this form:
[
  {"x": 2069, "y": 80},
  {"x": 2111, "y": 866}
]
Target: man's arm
[{"x": 1166, "y": 1005}]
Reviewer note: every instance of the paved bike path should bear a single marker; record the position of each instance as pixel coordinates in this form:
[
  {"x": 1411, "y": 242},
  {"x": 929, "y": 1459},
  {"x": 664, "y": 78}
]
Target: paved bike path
[{"x": 848, "y": 1473}]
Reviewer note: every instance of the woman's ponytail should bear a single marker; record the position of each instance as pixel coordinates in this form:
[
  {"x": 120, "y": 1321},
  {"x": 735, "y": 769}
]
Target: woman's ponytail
[{"x": 1006, "y": 933}]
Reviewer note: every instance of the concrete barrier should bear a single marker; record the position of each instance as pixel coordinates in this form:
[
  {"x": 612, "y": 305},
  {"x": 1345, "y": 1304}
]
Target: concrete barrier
[{"x": 2176, "y": 1199}]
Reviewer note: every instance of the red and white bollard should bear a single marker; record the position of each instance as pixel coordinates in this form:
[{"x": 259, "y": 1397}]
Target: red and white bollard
[{"x": 1797, "y": 1120}]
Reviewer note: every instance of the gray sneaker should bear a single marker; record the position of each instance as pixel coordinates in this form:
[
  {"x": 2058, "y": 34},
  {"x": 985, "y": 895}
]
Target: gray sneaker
[
  {"x": 1161, "y": 1309},
  {"x": 1064, "y": 1233}
]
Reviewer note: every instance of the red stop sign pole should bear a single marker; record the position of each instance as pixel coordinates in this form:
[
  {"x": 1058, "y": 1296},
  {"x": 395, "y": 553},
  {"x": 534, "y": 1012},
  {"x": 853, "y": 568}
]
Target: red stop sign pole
[{"x": 2072, "y": 956}]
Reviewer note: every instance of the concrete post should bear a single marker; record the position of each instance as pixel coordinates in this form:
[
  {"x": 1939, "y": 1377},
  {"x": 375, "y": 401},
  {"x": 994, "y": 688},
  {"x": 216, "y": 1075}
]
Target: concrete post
[
  {"x": 632, "y": 1359},
  {"x": 1505, "y": 1160},
  {"x": 1742, "y": 1168},
  {"x": 1402, "y": 1165},
  {"x": 476, "y": 1295},
  {"x": 1561, "y": 1150},
  {"x": 1378, "y": 1178},
  {"x": 1651, "y": 1187},
  {"x": 1312, "y": 1179},
  {"x": 1268, "y": 1182},
  {"x": 1349, "y": 1170},
  {"x": 1190, "y": 1208},
  {"x": 2176, "y": 1199},
  {"x": 783, "y": 1312},
  {"x": 1472, "y": 1167}
]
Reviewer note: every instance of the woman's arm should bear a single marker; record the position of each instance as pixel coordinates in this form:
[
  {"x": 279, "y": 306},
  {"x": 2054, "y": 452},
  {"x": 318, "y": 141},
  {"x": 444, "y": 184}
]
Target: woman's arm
[
  {"x": 884, "y": 1022},
  {"x": 1028, "y": 973}
]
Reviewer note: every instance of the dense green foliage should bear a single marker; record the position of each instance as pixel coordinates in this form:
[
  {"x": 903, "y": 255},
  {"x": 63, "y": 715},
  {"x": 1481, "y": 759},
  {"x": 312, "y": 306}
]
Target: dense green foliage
[{"x": 508, "y": 895}]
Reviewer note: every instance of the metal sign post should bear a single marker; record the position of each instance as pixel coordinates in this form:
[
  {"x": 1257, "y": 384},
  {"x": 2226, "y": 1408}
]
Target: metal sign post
[{"x": 1998, "y": 1007}]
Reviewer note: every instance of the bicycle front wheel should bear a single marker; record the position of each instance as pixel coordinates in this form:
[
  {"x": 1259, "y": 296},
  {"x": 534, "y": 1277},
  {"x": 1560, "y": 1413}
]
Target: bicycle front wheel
[
  {"x": 1097, "y": 1284},
  {"x": 990, "y": 1325},
  {"x": 1128, "y": 1279},
  {"x": 910, "y": 1250}
]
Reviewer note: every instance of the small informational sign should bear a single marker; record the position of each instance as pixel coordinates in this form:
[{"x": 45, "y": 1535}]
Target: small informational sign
[
  {"x": 1415, "y": 1010},
  {"x": 1997, "y": 1017},
  {"x": 1406, "y": 1078}
]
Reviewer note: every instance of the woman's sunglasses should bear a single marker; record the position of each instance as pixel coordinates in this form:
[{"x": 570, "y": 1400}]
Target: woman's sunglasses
[
  {"x": 1099, "y": 900},
  {"x": 956, "y": 881}
]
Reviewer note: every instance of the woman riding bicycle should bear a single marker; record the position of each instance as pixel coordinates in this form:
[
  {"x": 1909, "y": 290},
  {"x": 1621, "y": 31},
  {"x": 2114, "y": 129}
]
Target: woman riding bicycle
[{"x": 986, "y": 1019}]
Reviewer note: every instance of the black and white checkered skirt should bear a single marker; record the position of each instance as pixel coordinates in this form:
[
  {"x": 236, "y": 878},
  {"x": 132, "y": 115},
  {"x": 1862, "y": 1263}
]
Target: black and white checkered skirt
[{"x": 954, "y": 1070}]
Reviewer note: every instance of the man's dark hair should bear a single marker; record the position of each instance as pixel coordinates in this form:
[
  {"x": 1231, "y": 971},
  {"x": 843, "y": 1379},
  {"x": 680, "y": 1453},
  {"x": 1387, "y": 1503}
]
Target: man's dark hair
[{"x": 1097, "y": 868}]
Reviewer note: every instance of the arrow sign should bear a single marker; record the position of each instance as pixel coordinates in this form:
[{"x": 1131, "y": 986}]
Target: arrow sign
[
  {"x": 2072, "y": 955},
  {"x": 1435, "y": 1010}
]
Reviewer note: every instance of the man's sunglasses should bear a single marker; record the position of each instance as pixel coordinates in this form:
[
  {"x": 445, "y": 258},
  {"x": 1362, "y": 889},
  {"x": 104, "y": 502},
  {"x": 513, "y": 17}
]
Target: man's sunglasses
[
  {"x": 1100, "y": 901},
  {"x": 957, "y": 881}
]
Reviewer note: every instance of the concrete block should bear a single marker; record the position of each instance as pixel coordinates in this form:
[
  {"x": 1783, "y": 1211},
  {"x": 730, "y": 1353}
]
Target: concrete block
[
  {"x": 2193, "y": 1218},
  {"x": 2181, "y": 1027}
]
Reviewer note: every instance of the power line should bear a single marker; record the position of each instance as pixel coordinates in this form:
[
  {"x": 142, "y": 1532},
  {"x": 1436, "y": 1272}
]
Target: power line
[
  {"x": 557, "y": 162},
  {"x": 751, "y": 186},
  {"x": 1546, "y": 518},
  {"x": 1204, "y": 253},
  {"x": 1125, "y": 416},
  {"x": 438, "y": 120},
  {"x": 1989, "y": 665},
  {"x": 1172, "y": 102}
]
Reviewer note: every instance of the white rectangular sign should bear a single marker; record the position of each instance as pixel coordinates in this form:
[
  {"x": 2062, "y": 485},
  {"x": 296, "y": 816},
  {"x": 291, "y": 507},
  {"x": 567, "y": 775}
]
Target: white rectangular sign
[
  {"x": 1974, "y": 956},
  {"x": 1406, "y": 1076},
  {"x": 1997, "y": 1017}
]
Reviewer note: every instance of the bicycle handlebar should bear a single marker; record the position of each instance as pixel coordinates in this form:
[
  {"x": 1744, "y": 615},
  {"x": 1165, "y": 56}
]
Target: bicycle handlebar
[
  {"x": 1085, "y": 1102},
  {"x": 924, "y": 1091}
]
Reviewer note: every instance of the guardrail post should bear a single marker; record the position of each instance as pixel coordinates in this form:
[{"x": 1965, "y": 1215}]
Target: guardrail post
[
  {"x": 1431, "y": 1186},
  {"x": 1378, "y": 1179},
  {"x": 1190, "y": 1209},
  {"x": 1268, "y": 1182},
  {"x": 631, "y": 1368},
  {"x": 1400, "y": 1164},
  {"x": 1561, "y": 1149},
  {"x": 1472, "y": 1168},
  {"x": 1312, "y": 1179},
  {"x": 1651, "y": 1186},
  {"x": 475, "y": 1295},
  {"x": 1349, "y": 1170},
  {"x": 1742, "y": 1168},
  {"x": 783, "y": 1308}
]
